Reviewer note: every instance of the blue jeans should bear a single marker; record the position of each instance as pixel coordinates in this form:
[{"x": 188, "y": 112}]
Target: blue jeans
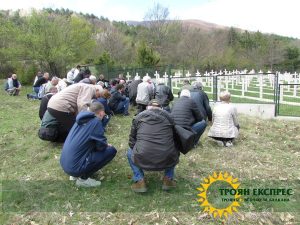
[
  {"x": 138, "y": 173},
  {"x": 35, "y": 91},
  {"x": 122, "y": 107},
  {"x": 199, "y": 128}
]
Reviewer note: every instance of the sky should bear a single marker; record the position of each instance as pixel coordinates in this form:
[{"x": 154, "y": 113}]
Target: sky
[{"x": 268, "y": 16}]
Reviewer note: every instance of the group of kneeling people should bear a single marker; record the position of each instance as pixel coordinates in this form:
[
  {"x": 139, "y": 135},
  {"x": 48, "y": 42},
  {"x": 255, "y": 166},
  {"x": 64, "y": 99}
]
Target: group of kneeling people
[{"x": 153, "y": 145}]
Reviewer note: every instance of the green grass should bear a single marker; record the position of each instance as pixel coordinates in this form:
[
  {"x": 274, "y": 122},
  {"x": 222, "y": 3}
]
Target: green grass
[{"x": 35, "y": 190}]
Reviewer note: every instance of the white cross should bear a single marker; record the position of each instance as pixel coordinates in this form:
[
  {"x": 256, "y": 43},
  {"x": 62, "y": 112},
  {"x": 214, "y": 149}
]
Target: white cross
[
  {"x": 188, "y": 74},
  {"x": 165, "y": 75},
  {"x": 128, "y": 76},
  {"x": 156, "y": 75},
  {"x": 198, "y": 74}
]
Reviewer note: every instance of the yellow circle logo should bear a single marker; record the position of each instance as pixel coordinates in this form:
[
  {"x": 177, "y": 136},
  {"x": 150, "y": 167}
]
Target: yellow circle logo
[{"x": 205, "y": 195}]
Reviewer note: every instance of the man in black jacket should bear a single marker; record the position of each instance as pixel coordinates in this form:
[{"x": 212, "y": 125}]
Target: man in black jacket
[
  {"x": 44, "y": 101},
  {"x": 164, "y": 95},
  {"x": 152, "y": 147},
  {"x": 119, "y": 103},
  {"x": 201, "y": 100},
  {"x": 187, "y": 115},
  {"x": 132, "y": 89}
]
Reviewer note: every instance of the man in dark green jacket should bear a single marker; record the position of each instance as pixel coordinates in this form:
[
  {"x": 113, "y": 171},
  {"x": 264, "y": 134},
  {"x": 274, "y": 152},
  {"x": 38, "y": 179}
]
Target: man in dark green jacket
[{"x": 152, "y": 146}]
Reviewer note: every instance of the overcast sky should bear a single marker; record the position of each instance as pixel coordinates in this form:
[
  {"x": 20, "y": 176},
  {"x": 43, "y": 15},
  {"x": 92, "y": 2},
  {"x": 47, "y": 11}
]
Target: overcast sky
[{"x": 268, "y": 16}]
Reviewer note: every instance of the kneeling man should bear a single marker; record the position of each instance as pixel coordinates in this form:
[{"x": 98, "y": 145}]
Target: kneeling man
[
  {"x": 152, "y": 146},
  {"x": 86, "y": 150}
]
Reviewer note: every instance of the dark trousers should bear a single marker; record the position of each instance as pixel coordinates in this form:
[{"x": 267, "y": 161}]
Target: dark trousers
[
  {"x": 65, "y": 120},
  {"x": 141, "y": 108},
  {"x": 96, "y": 160},
  {"x": 223, "y": 139}
]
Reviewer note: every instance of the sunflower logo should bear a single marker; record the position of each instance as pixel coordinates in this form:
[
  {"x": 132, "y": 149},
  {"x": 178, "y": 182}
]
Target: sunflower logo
[{"x": 212, "y": 203}]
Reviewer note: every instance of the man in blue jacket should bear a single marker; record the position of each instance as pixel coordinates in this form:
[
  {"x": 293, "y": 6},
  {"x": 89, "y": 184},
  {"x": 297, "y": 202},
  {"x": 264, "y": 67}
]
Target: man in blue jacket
[{"x": 86, "y": 150}]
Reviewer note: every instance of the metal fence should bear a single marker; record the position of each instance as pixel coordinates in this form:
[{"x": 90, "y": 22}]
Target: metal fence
[
  {"x": 258, "y": 88},
  {"x": 288, "y": 100}
]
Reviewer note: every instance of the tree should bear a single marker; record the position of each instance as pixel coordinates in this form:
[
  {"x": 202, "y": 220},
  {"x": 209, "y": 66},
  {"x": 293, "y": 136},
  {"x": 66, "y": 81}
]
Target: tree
[
  {"x": 146, "y": 57},
  {"x": 157, "y": 20},
  {"x": 57, "y": 41}
]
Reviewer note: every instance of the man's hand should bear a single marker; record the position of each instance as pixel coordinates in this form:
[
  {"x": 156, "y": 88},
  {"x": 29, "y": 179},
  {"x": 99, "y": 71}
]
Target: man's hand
[{"x": 109, "y": 145}]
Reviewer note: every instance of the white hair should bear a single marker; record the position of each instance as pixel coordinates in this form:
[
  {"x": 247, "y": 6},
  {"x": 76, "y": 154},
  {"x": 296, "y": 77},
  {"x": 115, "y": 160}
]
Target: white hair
[
  {"x": 186, "y": 93},
  {"x": 98, "y": 87},
  {"x": 93, "y": 78},
  {"x": 146, "y": 78},
  {"x": 225, "y": 96}
]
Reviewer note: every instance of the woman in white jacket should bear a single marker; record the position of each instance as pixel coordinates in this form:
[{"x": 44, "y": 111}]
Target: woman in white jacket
[{"x": 225, "y": 127}]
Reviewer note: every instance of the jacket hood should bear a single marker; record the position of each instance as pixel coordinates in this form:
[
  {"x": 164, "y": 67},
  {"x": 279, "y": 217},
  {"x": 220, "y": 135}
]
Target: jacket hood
[{"x": 84, "y": 117}]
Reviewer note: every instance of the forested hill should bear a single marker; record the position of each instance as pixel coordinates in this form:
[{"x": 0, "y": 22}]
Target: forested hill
[{"x": 56, "y": 40}]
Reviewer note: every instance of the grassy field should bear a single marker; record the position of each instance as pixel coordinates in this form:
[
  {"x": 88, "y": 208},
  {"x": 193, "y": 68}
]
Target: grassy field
[{"x": 35, "y": 190}]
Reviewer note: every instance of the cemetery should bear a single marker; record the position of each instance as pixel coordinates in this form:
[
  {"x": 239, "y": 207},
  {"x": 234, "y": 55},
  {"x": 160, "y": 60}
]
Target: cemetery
[
  {"x": 280, "y": 89},
  {"x": 88, "y": 138}
]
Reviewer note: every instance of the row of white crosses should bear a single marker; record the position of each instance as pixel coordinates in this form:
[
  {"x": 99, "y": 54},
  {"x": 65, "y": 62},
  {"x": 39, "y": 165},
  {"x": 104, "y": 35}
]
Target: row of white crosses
[{"x": 234, "y": 78}]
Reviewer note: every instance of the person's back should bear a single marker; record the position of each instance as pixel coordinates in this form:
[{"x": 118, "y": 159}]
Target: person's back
[
  {"x": 73, "y": 99},
  {"x": 163, "y": 94},
  {"x": 132, "y": 88},
  {"x": 154, "y": 147},
  {"x": 224, "y": 121},
  {"x": 80, "y": 142},
  {"x": 86, "y": 150},
  {"x": 225, "y": 127},
  {"x": 202, "y": 102},
  {"x": 143, "y": 93},
  {"x": 185, "y": 112}
]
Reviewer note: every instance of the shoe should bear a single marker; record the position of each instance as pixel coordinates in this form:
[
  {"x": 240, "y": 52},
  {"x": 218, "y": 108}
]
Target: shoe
[
  {"x": 126, "y": 114},
  {"x": 168, "y": 184},
  {"x": 28, "y": 96},
  {"x": 73, "y": 178},
  {"x": 228, "y": 144},
  {"x": 220, "y": 143},
  {"x": 87, "y": 183},
  {"x": 139, "y": 186}
]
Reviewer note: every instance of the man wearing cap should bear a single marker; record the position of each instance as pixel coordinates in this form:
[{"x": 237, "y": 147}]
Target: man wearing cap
[
  {"x": 65, "y": 105},
  {"x": 152, "y": 147}
]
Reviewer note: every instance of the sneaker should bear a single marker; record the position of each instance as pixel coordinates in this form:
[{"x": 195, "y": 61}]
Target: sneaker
[
  {"x": 87, "y": 183},
  {"x": 139, "y": 187},
  {"x": 73, "y": 178},
  {"x": 126, "y": 114},
  {"x": 168, "y": 184},
  {"x": 228, "y": 144},
  {"x": 28, "y": 97},
  {"x": 220, "y": 143}
]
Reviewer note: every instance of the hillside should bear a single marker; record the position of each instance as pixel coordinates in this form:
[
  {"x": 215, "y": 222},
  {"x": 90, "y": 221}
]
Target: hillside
[{"x": 191, "y": 23}]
